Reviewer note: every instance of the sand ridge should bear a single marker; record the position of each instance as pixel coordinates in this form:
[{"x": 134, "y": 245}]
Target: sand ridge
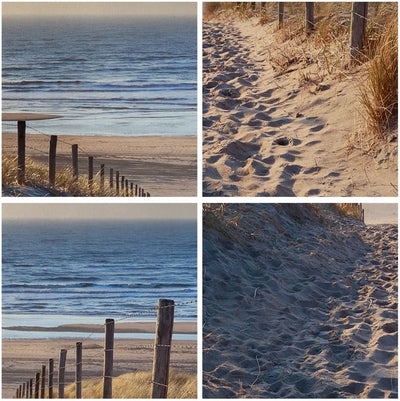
[
  {"x": 299, "y": 305},
  {"x": 266, "y": 135}
]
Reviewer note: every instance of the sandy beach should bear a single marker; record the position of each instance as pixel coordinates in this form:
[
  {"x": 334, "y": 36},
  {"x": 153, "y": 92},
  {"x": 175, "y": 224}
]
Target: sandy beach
[
  {"x": 163, "y": 166},
  {"x": 298, "y": 302},
  {"x": 22, "y": 358},
  {"x": 284, "y": 128}
]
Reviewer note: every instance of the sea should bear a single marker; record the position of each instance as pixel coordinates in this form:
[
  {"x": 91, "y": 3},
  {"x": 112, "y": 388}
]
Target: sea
[
  {"x": 62, "y": 272},
  {"x": 104, "y": 76}
]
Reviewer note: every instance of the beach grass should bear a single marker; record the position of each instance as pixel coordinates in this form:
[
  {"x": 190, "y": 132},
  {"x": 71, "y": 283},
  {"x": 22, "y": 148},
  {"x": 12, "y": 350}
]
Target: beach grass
[
  {"x": 138, "y": 385},
  {"x": 37, "y": 176}
]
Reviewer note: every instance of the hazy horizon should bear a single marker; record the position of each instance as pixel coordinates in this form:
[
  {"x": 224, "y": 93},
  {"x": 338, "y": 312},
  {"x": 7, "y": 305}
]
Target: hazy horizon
[
  {"x": 97, "y": 211},
  {"x": 99, "y": 9}
]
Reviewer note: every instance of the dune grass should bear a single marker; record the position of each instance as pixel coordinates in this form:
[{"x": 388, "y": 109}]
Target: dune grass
[
  {"x": 37, "y": 176},
  {"x": 137, "y": 385}
]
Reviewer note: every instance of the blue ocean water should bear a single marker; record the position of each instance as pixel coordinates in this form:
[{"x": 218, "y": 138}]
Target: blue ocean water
[
  {"x": 83, "y": 272},
  {"x": 106, "y": 76}
]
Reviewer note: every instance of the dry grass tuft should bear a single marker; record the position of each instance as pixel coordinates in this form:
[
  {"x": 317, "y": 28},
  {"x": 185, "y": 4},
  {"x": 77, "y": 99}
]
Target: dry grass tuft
[
  {"x": 350, "y": 210},
  {"x": 137, "y": 385},
  {"x": 379, "y": 97},
  {"x": 37, "y": 177}
]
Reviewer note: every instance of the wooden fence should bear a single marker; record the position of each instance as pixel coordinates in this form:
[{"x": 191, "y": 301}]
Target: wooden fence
[
  {"x": 36, "y": 387},
  {"x": 359, "y": 18}
]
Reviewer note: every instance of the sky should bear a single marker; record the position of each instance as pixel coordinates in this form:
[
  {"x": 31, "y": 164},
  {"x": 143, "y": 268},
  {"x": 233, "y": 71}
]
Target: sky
[
  {"x": 99, "y": 8},
  {"x": 380, "y": 213},
  {"x": 97, "y": 211}
]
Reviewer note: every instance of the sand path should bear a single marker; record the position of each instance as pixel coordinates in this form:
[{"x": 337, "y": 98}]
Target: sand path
[
  {"x": 298, "y": 309},
  {"x": 266, "y": 135}
]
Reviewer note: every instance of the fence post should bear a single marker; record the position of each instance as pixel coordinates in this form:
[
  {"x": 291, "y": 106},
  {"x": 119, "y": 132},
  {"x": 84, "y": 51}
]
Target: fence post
[
  {"x": 51, "y": 374},
  {"x": 23, "y": 390},
  {"x": 162, "y": 347},
  {"x": 136, "y": 190},
  {"x": 102, "y": 176},
  {"x": 27, "y": 390},
  {"x": 108, "y": 358},
  {"x": 75, "y": 171},
  {"x": 17, "y": 393},
  {"x": 122, "y": 184},
  {"x": 309, "y": 17},
  {"x": 117, "y": 182},
  {"x": 148, "y": 194},
  {"x": 61, "y": 373},
  {"x": 78, "y": 375},
  {"x": 30, "y": 388},
  {"x": 126, "y": 188},
  {"x": 37, "y": 384},
  {"x": 357, "y": 29},
  {"x": 131, "y": 193},
  {"x": 281, "y": 8},
  {"x": 90, "y": 176},
  {"x": 21, "y": 152},
  {"x": 111, "y": 178},
  {"x": 52, "y": 159},
  {"x": 43, "y": 386}
]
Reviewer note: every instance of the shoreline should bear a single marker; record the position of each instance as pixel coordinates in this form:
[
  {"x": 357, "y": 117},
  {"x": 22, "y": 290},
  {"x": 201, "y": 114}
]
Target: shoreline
[{"x": 163, "y": 166}]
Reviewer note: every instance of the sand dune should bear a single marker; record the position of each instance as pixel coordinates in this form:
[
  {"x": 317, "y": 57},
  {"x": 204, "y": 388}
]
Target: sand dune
[
  {"x": 298, "y": 303},
  {"x": 269, "y": 134}
]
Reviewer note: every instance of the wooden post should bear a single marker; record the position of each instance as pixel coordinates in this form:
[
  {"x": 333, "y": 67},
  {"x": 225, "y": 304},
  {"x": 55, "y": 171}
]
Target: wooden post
[
  {"x": 126, "y": 188},
  {"x": 117, "y": 181},
  {"x": 123, "y": 184},
  {"x": 78, "y": 375},
  {"x": 111, "y": 178},
  {"x": 142, "y": 192},
  {"x": 52, "y": 159},
  {"x": 30, "y": 388},
  {"x": 309, "y": 17},
  {"x": 27, "y": 390},
  {"x": 102, "y": 176},
  {"x": 136, "y": 190},
  {"x": 90, "y": 172},
  {"x": 357, "y": 29},
  {"x": 281, "y": 8},
  {"x": 75, "y": 171},
  {"x": 17, "y": 393},
  {"x": 61, "y": 373},
  {"x": 162, "y": 347},
  {"x": 108, "y": 358},
  {"x": 21, "y": 152},
  {"x": 37, "y": 384},
  {"x": 23, "y": 390},
  {"x": 51, "y": 375},
  {"x": 131, "y": 193},
  {"x": 43, "y": 385},
  {"x": 148, "y": 194}
]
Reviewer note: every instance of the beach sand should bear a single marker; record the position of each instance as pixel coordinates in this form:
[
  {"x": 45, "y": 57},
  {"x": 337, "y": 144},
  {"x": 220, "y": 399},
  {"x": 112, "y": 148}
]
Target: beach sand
[
  {"x": 298, "y": 303},
  {"x": 273, "y": 133},
  {"x": 163, "y": 166},
  {"x": 22, "y": 358}
]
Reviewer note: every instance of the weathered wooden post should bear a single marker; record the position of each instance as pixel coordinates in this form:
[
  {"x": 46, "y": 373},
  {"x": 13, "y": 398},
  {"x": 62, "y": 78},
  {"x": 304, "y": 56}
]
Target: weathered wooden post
[
  {"x": 111, "y": 178},
  {"x": 122, "y": 184},
  {"x": 43, "y": 384},
  {"x": 309, "y": 17},
  {"x": 136, "y": 190},
  {"x": 108, "y": 358},
  {"x": 281, "y": 8},
  {"x": 78, "y": 372},
  {"x": 27, "y": 390},
  {"x": 162, "y": 347},
  {"x": 357, "y": 29},
  {"x": 52, "y": 159},
  {"x": 61, "y": 373},
  {"x": 30, "y": 388},
  {"x": 75, "y": 171},
  {"x": 21, "y": 152},
  {"x": 148, "y": 194},
  {"x": 51, "y": 375},
  {"x": 90, "y": 176},
  {"x": 102, "y": 176},
  {"x": 37, "y": 384},
  {"x": 17, "y": 393},
  {"x": 23, "y": 390},
  {"x": 117, "y": 181},
  {"x": 131, "y": 193},
  {"x": 126, "y": 188}
]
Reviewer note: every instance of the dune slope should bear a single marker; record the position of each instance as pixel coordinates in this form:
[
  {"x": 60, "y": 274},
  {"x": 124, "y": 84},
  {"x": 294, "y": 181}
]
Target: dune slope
[{"x": 298, "y": 303}]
